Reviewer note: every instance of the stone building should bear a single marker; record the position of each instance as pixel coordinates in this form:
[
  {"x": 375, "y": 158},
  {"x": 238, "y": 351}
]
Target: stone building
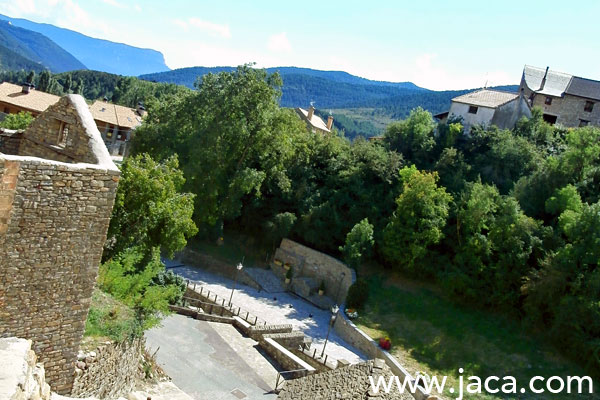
[
  {"x": 57, "y": 189},
  {"x": 487, "y": 107},
  {"x": 565, "y": 99},
  {"x": 314, "y": 123},
  {"x": 116, "y": 123}
]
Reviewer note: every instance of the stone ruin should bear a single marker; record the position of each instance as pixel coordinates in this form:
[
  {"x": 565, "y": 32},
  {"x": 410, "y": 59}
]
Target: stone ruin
[{"x": 57, "y": 189}]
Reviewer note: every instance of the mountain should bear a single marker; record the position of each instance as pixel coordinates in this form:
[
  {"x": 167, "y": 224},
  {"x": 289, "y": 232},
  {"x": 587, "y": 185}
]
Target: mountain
[
  {"x": 12, "y": 61},
  {"x": 37, "y": 48},
  {"x": 98, "y": 54}
]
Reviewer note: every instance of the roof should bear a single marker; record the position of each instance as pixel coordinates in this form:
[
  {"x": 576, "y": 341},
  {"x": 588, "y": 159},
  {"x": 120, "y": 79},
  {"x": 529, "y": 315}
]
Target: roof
[
  {"x": 351, "y": 382},
  {"x": 584, "y": 88},
  {"x": 34, "y": 100},
  {"x": 116, "y": 115},
  {"x": 486, "y": 98},
  {"x": 315, "y": 121},
  {"x": 556, "y": 82}
]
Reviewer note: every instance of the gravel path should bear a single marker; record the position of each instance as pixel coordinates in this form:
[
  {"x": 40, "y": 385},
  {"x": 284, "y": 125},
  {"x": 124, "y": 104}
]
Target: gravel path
[{"x": 276, "y": 308}]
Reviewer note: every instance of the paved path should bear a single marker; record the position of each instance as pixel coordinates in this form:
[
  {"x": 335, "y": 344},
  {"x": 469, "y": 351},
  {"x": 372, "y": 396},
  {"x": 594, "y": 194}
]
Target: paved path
[
  {"x": 210, "y": 361},
  {"x": 275, "y": 308}
]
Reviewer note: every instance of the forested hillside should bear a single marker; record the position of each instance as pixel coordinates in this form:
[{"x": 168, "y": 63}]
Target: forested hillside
[
  {"x": 37, "y": 48},
  {"x": 11, "y": 61}
]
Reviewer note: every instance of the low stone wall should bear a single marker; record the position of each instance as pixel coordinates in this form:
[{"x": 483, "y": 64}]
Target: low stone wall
[
  {"x": 317, "y": 267},
  {"x": 351, "y": 334},
  {"x": 287, "y": 359},
  {"x": 318, "y": 363},
  {"x": 257, "y": 332},
  {"x": 291, "y": 340},
  {"x": 109, "y": 371}
]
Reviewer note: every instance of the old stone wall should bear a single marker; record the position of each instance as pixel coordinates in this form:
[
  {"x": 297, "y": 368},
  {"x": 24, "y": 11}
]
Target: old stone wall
[
  {"x": 109, "y": 371},
  {"x": 53, "y": 222},
  {"x": 351, "y": 334},
  {"x": 59, "y": 134},
  {"x": 10, "y": 141},
  {"x": 319, "y": 267}
]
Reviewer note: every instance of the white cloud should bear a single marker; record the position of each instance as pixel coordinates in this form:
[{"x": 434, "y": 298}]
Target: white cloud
[
  {"x": 279, "y": 43},
  {"x": 213, "y": 29},
  {"x": 137, "y": 8},
  {"x": 114, "y": 3},
  {"x": 63, "y": 13}
]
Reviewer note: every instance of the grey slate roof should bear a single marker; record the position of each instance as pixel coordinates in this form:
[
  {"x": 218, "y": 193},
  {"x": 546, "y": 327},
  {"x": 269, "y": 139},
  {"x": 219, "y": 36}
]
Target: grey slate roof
[
  {"x": 556, "y": 82},
  {"x": 486, "y": 98},
  {"x": 584, "y": 88}
]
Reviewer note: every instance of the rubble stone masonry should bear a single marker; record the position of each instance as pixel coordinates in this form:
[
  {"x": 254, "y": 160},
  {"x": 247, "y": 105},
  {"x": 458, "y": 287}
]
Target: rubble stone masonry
[{"x": 55, "y": 207}]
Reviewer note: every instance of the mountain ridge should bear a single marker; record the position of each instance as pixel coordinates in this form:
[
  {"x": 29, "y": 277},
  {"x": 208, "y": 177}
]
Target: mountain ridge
[
  {"x": 95, "y": 53},
  {"x": 38, "y": 48}
]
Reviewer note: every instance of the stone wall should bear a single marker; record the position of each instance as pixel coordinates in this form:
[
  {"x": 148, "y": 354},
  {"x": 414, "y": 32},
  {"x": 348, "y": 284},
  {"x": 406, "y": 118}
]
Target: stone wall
[
  {"x": 109, "y": 371},
  {"x": 53, "y": 222},
  {"x": 10, "y": 141},
  {"x": 352, "y": 335},
  {"x": 317, "y": 267}
]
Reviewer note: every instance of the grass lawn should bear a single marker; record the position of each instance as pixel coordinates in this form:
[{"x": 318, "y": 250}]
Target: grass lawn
[{"x": 433, "y": 335}]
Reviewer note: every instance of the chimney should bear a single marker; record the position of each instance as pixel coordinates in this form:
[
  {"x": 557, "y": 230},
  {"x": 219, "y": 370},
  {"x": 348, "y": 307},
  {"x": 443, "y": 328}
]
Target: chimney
[
  {"x": 330, "y": 122},
  {"x": 544, "y": 79},
  {"x": 27, "y": 88},
  {"x": 141, "y": 110},
  {"x": 311, "y": 111}
]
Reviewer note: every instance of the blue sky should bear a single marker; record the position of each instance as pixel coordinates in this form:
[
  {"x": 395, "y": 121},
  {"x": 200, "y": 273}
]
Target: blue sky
[{"x": 435, "y": 44}]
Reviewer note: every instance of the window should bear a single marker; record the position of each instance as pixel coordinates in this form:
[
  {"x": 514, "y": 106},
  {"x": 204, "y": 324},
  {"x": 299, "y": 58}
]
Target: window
[
  {"x": 551, "y": 119},
  {"x": 548, "y": 100},
  {"x": 6, "y": 110},
  {"x": 583, "y": 122},
  {"x": 63, "y": 134},
  {"x": 473, "y": 109},
  {"x": 589, "y": 106}
]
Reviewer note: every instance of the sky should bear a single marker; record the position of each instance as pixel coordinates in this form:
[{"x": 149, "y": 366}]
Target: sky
[{"x": 438, "y": 45}]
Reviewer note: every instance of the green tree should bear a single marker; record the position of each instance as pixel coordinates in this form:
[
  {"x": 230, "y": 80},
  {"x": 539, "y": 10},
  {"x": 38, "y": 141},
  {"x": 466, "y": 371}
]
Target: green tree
[
  {"x": 68, "y": 84},
  {"x": 131, "y": 277},
  {"x": 17, "y": 121},
  {"x": 413, "y": 137},
  {"x": 421, "y": 212},
  {"x": 150, "y": 211},
  {"x": 30, "y": 77},
  {"x": 493, "y": 244},
  {"x": 218, "y": 130},
  {"x": 359, "y": 243}
]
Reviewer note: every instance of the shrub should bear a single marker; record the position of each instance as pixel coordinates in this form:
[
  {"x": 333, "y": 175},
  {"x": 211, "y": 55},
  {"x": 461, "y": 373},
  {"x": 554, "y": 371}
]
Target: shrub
[
  {"x": 289, "y": 274},
  {"x": 358, "y": 294}
]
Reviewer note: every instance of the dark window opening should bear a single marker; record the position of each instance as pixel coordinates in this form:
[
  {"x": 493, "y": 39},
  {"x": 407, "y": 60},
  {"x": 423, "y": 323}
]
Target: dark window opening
[
  {"x": 6, "y": 110},
  {"x": 473, "y": 109},
  {"x": 583, "y": 122},
  {"x": 551, "y": 119},
  {"x": 548, "y": 100},
  {"x": 63, "y": 134},
  {"x": 589, "y": 106}
]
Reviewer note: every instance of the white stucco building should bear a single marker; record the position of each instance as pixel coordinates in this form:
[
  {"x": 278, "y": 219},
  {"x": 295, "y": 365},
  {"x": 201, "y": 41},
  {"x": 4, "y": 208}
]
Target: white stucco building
[{"x": 489, "y": 107}]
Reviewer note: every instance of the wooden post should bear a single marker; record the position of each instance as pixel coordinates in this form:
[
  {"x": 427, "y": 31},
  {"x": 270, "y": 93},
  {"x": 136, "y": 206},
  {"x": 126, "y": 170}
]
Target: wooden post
[
  {"x": 325, "y": 362},
  {"x": 211, "y": 309},
  {"x": 314, "y": 353}
]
